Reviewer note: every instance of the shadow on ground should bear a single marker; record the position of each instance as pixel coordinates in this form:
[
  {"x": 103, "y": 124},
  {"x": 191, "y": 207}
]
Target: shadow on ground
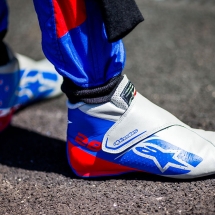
[{"x": 26, "y": 149}]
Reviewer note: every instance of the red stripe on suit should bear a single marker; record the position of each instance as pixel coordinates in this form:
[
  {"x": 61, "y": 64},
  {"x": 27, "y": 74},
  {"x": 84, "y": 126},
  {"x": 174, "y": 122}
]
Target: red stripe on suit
[{"x": 68, "y": 15}]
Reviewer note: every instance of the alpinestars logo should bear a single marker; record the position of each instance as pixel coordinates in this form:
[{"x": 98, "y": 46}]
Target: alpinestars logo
[
  {"x": 165, "y": 158},
  {"x": 36, "y": 82},
  {"x": 128, "y": 93},
  {"x": 130, "y": 134}
]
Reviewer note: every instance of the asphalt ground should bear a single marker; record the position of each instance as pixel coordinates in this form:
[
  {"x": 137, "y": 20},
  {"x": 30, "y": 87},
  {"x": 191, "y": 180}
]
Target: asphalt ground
[{"x": 171, "y": 61}]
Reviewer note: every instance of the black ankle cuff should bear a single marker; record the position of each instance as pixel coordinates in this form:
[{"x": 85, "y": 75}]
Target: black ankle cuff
[
  {"x": 95, "y": 95},
  {"x": 2, "y": 35},
  {"x": 4, "y": 58}
]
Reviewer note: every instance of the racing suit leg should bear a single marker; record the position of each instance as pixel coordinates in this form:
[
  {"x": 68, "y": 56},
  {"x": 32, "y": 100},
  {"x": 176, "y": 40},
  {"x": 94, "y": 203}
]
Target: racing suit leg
[{"x": 75, "y": 41}]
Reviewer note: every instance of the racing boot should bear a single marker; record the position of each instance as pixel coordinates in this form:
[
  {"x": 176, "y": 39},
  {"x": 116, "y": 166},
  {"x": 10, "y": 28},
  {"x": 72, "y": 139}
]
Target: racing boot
[
  {"x": 23, "y": 81},
  {"x": 131, "y": 134}
]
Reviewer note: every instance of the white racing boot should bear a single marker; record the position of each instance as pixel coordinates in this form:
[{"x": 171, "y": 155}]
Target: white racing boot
[
  {"x": 23, "y": 81},
  {"x": 130, "y": 133}
]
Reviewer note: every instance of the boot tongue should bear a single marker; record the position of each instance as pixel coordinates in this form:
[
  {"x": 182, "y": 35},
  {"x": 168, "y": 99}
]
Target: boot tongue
[{"x": 124, "y": 94}]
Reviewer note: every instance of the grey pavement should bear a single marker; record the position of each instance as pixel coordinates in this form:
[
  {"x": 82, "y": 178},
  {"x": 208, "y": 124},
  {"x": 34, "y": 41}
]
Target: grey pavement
[{"x": 171, "y": 61}]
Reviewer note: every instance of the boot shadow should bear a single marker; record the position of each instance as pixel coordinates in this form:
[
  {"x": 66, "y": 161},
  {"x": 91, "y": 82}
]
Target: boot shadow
[{"x": 29, "y": 150}]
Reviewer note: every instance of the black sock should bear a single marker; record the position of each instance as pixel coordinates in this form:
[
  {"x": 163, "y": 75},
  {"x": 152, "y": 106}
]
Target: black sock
[
  {"x": 4, "y": 58},
  {"x": 95, "y": 95}
]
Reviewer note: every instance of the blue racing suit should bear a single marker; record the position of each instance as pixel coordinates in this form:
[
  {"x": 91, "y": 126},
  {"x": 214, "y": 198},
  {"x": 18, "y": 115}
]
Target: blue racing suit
[{"x": 75, "y": 41}]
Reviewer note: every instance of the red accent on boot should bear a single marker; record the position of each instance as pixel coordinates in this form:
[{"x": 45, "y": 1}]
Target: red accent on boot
[
  {"x": 87, "y": 165},
  {"x": 5, "y": 120}
]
